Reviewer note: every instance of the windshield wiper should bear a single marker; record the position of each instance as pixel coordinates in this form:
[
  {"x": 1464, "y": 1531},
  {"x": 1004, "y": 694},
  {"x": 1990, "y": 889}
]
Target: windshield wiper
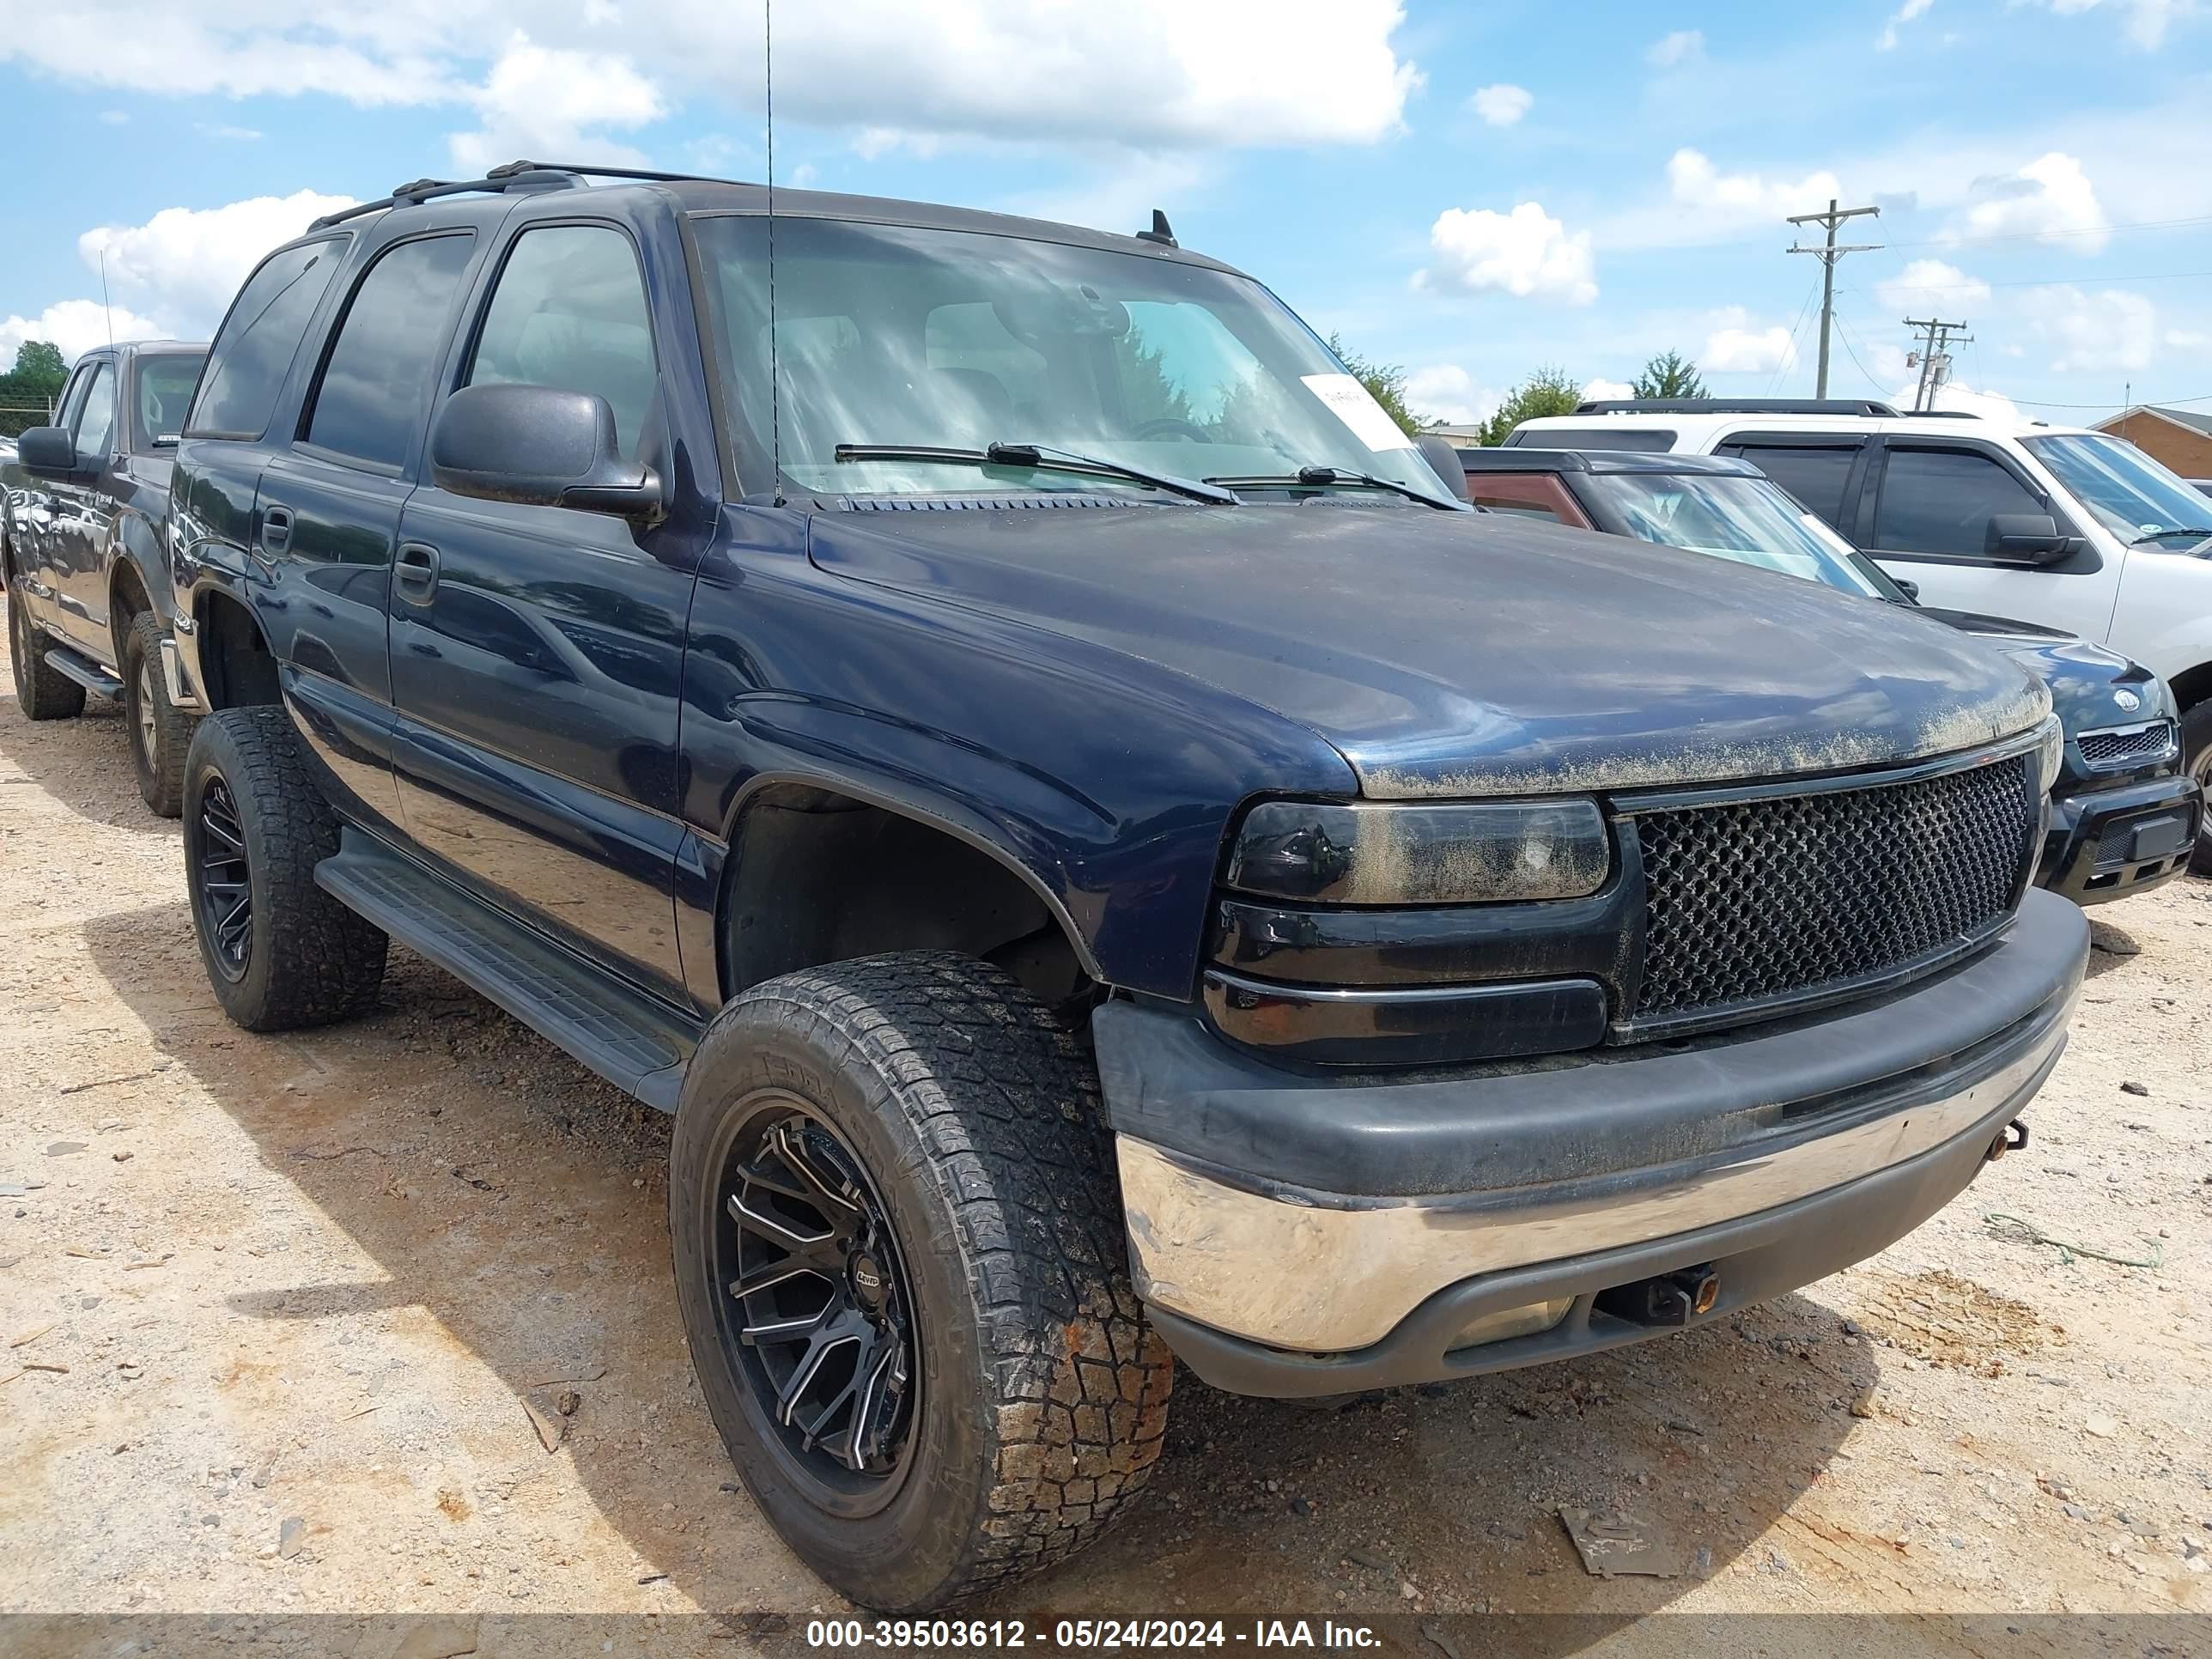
[
  {"x": 2160, "y": 535},
  {"x": 1337, "y": 475},
  {"x": 1036, "y": 455}
]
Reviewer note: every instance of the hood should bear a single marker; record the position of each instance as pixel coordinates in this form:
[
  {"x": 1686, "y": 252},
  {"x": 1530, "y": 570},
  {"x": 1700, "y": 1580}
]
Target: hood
[
  {"x": 1460, "y": 654},
  {"x": 2091, "y": 687}
]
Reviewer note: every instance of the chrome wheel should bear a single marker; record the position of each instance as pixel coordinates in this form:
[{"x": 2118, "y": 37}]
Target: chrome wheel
[
  {"x": 223, "y": 889},
  {"x": 148, "y": 734},
  {"x": 818, "y": 1309}
]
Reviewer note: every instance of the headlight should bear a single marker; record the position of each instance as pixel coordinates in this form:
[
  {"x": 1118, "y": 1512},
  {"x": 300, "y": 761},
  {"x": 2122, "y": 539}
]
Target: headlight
[{"x": 1379, "y": 854}]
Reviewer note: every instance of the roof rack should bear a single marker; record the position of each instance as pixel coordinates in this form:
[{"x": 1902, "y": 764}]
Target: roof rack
[
  {"x": 1863, "y": 406},
  {"x": 512, "y": 176}
]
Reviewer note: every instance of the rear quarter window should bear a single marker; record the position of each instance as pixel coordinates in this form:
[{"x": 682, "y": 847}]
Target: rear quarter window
[
  {"x": 1815, "y": 474},
  {"x": 252, "y": 353}
]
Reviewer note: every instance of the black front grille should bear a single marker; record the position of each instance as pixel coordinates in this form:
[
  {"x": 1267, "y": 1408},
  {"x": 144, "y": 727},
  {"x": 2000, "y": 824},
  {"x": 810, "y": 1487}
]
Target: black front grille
[
  {"x": 1757, "y": 901},
  {"x": 2111, "y": 748}
]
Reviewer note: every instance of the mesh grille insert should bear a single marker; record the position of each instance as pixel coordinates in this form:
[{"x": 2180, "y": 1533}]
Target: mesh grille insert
[
  {"x": 2104, "y": 748},
  {"x": 1760, "y": 899}
]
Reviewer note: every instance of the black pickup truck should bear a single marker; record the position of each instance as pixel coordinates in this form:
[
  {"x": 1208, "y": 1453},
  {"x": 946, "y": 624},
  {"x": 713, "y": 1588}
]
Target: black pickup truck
[
  {"x": 1104, "y": 858},
  {"x": 81, "y": 543}
]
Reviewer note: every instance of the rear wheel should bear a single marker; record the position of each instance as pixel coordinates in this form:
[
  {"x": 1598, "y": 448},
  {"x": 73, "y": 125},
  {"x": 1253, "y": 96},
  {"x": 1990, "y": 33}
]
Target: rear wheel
[
  {"x": 2197, "y": 747},
  {"x": 158, "y": 732},
  {"x": 45, "y": 692},
  {"x": 899, "y": 1254},
  {"x": 281, "y": 953}
]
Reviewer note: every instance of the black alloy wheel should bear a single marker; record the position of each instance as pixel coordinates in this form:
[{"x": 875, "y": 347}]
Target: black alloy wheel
[
  {"x": 818, "y": 1312},
  {"x": 222, "y": 889}
]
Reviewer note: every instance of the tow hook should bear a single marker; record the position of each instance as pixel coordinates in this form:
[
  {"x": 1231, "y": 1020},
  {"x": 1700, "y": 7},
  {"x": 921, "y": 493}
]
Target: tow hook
[
  {"x": 1669, "y": 1299},
  {"x": 2010, "y": 1139}
]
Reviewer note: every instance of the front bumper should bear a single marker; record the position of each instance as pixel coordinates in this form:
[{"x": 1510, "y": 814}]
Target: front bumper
[
  {"x": 2112, "y": 843},
  {"x": 1308, "y": 1233}
]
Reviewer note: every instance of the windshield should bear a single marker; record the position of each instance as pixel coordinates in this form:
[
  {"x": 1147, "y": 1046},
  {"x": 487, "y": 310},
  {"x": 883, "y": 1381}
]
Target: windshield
[
  {"x": 2127, "y": 492},
  {"x": 891, "y": 335},
  {"x": 1746, "y": 520}
]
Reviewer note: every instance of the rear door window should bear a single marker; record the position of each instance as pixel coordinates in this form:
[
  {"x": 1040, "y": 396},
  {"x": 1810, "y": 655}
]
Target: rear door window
[
  {"x": 1816, "y": 474},
  {"x": 165, "y": 388},
  {"x": 254, "y": 353},
  {"x": 569, "y": 312},
  {"x": 1941, "y": 502},
  {"x": 377, "y": 379}
]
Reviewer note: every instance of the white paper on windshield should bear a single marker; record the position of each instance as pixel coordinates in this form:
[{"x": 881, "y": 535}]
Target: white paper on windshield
[{"x": 1353, "y": 403}]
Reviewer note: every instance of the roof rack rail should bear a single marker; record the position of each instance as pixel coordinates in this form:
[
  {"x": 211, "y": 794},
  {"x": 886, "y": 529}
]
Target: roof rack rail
[
  {"x": 1944, "y": 415},
  {"x": 509, "y": 176},
  {"x": 1864, "y": 406}
]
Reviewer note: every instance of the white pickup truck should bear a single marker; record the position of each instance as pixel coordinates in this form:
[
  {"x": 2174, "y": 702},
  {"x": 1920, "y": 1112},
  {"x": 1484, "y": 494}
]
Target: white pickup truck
[{"x": 2056, "y": 525}]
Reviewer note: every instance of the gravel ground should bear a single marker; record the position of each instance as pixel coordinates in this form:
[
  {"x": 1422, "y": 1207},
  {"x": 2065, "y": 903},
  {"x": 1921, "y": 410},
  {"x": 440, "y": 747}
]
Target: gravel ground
[{"x": 289, "y": 1325}]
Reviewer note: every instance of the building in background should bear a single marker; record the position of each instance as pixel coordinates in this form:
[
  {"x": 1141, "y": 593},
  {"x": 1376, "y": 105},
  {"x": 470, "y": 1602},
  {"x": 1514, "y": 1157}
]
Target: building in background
[{"x": 2181, "y": 439}]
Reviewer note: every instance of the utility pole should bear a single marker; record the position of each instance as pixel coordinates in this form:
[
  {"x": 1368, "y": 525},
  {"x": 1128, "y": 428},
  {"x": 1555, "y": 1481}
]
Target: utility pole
[
  {"x": 1828, "y": 253},
  {"x": 1935, "y": 362}
]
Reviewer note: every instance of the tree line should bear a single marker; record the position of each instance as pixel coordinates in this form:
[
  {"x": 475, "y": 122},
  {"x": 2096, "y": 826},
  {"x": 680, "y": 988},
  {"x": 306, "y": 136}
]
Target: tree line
[
  {"x": 1549, "y": 390},
  {"x": 28, "y": 390}
]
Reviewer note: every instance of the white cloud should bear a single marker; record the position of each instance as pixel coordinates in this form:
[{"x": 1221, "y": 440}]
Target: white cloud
[
  {"x": 1695, "y": 182},
  {"x": 115, "y": 117},
  {"x": 1502, "y": 105},
  {"x": 1602, "y": 388},
  {"x": 1680, "y": 47},
  {"x": 2188, "y": 339},
  {"x": 188, "y": 262},
  {"x": 1149, "y": 74},
  {"x": 2110, "y": 329},
  {"x": 2051, "y": 195},
  {"x": 236, "y": 135},
  {"x": 1903, "y": 14},
  {"x": 75, "y": 326},
  {"x": 542, "y": 103},
  {"x": 2147, "y": 20},
  {"x": 1955, "y": 395},
  {"x": 1738, "y": 346},
  {"x": 1931, "y": 285},
  {"x": 1118, "y": 195},
  {"x": 1526, "y": 252},
  {"x": 1447, "y": 392}
]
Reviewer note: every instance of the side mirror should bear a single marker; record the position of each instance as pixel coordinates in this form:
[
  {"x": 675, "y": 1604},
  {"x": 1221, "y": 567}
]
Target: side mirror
[
  {"x": 47, "y": 449},
  {"x": 2029, "y": 537},
  {"x": 541, "y": 446},
  {"x": 1437, "y": 451},
  {"x": 1911, "y": 590}
]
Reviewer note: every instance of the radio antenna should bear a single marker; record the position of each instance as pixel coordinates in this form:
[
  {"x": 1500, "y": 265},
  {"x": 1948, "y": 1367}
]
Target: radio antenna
[
  {"x": 107, "y": 305},
  {"x": 774, "y": 380}
]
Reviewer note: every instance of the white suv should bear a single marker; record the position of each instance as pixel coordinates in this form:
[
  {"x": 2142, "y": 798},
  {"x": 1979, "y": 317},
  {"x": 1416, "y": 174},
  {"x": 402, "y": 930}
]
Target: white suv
[{"x": 2057, "y": 525}]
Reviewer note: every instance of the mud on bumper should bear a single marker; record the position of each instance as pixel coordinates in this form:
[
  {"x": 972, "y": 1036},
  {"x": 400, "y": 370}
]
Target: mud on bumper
[{"x": 1312, "y": 1234}]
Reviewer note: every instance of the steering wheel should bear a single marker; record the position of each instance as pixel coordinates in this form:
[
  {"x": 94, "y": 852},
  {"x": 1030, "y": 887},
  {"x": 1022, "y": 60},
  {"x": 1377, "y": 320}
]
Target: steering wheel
[{"x": 1168, "y": 424}]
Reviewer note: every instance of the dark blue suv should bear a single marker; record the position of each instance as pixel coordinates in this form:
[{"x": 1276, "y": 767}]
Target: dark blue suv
[{"x": 1104, "y": 857}]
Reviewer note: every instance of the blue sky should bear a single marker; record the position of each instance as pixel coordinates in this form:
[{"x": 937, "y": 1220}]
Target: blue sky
[{"x": 1469, "y": 189}]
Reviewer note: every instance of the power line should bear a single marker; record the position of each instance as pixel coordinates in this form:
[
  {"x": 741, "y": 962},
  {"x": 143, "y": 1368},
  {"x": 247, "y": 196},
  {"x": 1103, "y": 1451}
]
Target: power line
[
  {"x": 2045, "y": 402},
  {"x": 1782, "y": 364},
  {"x": 2051, "y": 282},
  {"x": 1957, "y": 241},
  {"x": 1827, "y": 253},
  {"x": 1845, "y": 334}
]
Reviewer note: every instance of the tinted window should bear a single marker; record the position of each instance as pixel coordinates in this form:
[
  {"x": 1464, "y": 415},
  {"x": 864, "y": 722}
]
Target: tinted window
[
  {"x": 1815, "y": 476},
  {"x": 1940, "y": 500},
  {"x": 371, "y": 397},
  {"x": 165, "y": 389},
  {"x": 254, "y": 353},
  {"x": 72, "y": 398},
  {"x": 95, "y": 423},
  {"x": 1653, "y": 440},
  {"x": 1524, "y": 509},
  {"x": 569, "y": 312}
]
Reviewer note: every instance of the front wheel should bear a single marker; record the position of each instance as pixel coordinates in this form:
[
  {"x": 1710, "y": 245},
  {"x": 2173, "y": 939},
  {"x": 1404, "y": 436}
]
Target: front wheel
[
  {"x": 2196, "y": 747},
  {"x": 159, "y": 733},
  {"x": 900, "y": 1258}
]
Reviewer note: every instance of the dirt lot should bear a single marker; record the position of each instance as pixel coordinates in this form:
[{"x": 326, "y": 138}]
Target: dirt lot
[{"x": 273, "y": 1309}]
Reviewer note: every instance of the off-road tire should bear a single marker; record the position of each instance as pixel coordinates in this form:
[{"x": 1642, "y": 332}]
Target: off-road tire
[
  {"x": 160, "y": 732},
  {"x": 311, "y": 960},
  {"x": 975, "y": 1114},
  {"x": 2196, "y": 752},
  {"x": 43, "y": 690}
]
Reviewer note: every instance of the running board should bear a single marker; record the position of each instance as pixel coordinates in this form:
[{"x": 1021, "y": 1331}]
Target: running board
[
  {"x": 63, "y": 660},
  {"x": 633, "y": 1041}
]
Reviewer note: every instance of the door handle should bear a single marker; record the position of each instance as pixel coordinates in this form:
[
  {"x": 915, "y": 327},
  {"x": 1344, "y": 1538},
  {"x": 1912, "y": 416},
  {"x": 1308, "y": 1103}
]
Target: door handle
[
  {"x": 416, "y": 573},
  {"x": 276, "y": 530}
]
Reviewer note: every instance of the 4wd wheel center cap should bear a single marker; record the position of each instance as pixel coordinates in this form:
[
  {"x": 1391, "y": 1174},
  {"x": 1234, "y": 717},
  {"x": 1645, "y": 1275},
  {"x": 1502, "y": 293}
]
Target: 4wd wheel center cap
[{"x": 867, "y": 1281}]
